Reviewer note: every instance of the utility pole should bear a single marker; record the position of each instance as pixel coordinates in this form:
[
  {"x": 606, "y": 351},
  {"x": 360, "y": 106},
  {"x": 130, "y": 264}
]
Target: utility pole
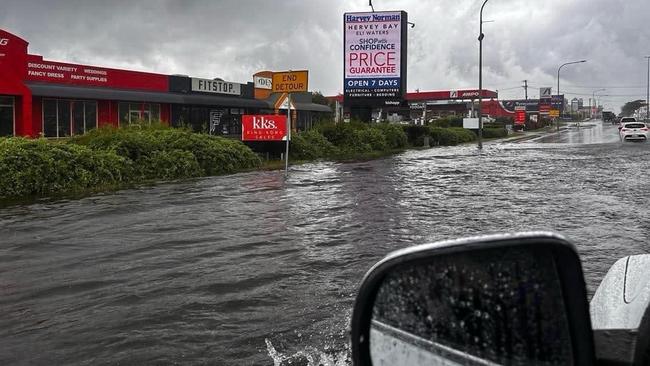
[{"x": 526, "y": 88}]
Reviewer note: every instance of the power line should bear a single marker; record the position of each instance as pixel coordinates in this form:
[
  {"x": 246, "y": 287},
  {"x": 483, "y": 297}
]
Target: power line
[
  {"x": 608, "y": 87},
  {"x": 609, "y": 95}
]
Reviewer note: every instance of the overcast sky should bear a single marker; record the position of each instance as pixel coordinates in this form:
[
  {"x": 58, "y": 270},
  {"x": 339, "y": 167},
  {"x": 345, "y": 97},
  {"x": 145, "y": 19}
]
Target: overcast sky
[{"x": 233, "y": 39}]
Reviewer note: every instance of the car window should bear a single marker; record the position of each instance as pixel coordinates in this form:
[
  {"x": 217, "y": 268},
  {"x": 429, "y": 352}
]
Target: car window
[
  {"x": 628, "y": 120},
  {"x": 634, "y": 125}
]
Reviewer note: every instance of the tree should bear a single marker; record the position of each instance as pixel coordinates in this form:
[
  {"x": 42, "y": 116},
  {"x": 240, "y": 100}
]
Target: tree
[
  {"x": 630, "y": 107},
  {"x": 318, "y": 98}
]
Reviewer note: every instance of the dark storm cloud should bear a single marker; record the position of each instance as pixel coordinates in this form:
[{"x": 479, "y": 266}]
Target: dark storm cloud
[{"x": 233, "y": 39}]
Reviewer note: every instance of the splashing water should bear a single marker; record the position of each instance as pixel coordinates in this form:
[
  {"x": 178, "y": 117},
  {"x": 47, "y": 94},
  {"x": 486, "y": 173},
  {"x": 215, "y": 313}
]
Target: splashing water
[{"x": 308, "y": 357}]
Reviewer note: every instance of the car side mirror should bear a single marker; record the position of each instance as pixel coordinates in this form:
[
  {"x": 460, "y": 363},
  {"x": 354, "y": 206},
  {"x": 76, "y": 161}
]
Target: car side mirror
[{"x": 514, "y": 299}]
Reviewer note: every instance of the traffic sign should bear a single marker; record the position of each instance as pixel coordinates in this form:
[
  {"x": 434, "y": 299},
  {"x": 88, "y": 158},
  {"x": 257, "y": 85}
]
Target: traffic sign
[
  {"x": 520, "y": 117},
  {"x": 290, "y": 81},
  {"x": 554, "y": 113},
  {"x": 544, "y": 108},
  {"x": 544, "y": 93}
]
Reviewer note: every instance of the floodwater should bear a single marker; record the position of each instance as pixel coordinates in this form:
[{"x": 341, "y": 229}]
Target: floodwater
[{"x": 253, "y": 269}]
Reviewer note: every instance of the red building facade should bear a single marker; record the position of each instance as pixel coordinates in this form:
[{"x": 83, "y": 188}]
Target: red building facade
[
  {"x": 39, "y": 97},
  {"x": 54, "y": 99}
]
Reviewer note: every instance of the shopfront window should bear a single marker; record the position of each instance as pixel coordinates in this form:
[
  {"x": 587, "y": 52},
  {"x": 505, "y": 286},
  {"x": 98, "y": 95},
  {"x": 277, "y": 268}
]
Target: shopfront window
[
  {"x": 63, "y": 118},
  {"x": 138, "y": 112},
  {"x": 7, "y": 116}
]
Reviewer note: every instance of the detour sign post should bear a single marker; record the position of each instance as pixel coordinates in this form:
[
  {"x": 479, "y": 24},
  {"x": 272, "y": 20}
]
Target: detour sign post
[{"x": 290, "y": 81}]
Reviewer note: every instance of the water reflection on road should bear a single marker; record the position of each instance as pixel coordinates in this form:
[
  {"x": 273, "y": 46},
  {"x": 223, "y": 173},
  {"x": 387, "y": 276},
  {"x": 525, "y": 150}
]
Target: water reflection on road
[
  {"x": 591, "y": 132},
  {"x": 255, "y": 269}
]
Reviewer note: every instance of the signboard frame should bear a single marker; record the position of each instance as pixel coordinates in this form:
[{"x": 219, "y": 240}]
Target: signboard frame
[
  {"x": 216, "y": 86},
  {"x": 263, "y": 82},
  {"x": 272, "y": 127},
  {"x": 371, "y": 98},
  {"x": 293, "y": 81}
]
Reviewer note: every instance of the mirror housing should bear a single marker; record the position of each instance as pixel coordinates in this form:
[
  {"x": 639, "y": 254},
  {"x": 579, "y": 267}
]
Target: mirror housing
[
  {"x": 620, "y": 313},
  {"x": 483, "y": 252}
]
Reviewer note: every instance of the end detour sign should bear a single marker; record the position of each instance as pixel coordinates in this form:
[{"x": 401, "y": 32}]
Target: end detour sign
[{"x": 290, "y": 81}]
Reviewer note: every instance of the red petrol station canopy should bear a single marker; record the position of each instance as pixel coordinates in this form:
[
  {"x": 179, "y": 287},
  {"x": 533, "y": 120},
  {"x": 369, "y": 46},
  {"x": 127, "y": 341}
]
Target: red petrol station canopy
[{"x": 468, "y": 94}]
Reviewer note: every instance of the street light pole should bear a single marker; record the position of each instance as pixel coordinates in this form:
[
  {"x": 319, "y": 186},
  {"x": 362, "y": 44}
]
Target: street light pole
[
  {"x": 647, "y": 100},
  {"x": 558, "y": 83},
  {"x": 480, "y": 78}
]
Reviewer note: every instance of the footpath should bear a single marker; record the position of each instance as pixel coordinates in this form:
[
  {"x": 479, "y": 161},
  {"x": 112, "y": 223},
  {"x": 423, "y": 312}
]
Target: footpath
[{"x": 518, "y": 137}]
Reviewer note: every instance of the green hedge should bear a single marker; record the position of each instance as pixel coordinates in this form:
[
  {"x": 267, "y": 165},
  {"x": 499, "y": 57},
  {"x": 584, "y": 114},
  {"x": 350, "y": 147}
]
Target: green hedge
[
  {"x": 416, "y": 134},
  {"x": 29, "y": 167},
  {"x": 110, "y": 157},
  {"x": 495, "y": 132},
  {"x": 373, "y": 137},
  {"x": 395, "y": 136},
  {"x": 214, "y": 155},
  {"x": 310, "y": 145},
  {"x": 353, "y": 139}
]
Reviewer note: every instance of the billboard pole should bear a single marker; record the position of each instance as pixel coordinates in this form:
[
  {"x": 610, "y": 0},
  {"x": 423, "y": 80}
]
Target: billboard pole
[{"x": 286, "y": 156}]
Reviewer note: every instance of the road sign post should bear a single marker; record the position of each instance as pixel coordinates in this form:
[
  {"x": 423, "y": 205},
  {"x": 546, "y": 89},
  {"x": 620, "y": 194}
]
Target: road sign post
[{"x": 286, "y": 154}]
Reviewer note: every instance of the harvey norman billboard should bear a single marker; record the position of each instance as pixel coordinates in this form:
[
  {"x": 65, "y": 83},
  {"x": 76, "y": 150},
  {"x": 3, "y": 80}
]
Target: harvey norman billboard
[{"x": 374, "y": 56}]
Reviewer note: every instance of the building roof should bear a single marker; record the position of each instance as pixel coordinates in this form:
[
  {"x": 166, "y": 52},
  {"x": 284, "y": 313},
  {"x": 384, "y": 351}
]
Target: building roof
[{"x": 68, "y": 91}]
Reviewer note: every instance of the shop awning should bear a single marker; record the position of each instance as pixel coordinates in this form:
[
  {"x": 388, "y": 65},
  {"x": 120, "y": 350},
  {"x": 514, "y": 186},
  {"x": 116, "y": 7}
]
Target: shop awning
[
  {"x": 312, "y": 107},
  {"x": 68, "y": 91}
]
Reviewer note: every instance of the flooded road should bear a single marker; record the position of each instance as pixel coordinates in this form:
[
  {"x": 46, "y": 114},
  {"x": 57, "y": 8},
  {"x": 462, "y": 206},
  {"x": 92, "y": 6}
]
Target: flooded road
[{"x": 253, "y": 269}]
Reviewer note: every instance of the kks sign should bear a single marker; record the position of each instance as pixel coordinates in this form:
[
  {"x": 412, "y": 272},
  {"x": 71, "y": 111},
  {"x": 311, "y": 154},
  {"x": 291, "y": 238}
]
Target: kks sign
[{"x": 264, "y": 128}]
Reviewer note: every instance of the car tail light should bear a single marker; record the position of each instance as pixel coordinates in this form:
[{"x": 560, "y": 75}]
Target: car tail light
[
  {"x": 644, "y": 129},
  {"x": 625, "y": 129}
]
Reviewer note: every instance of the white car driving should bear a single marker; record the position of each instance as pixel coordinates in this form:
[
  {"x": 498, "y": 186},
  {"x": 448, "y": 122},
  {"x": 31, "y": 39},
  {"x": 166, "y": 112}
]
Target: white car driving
[{"x": 633, "y": 131}]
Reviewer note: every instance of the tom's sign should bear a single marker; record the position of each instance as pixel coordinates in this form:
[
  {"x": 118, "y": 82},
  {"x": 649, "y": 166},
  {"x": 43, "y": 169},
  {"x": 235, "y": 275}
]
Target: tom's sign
[{"x": 264, "y": 127}]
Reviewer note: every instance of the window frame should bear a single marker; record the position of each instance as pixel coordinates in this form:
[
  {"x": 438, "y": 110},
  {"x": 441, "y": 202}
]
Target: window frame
[
  {"x": 69, "y": 102},
  {"x": 144, "y": 109},
  {"x": 13, "y": 112}
]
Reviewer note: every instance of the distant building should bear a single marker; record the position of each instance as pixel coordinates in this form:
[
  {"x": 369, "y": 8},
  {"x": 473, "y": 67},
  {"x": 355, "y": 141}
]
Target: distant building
[{"x": 575, "y": 106}]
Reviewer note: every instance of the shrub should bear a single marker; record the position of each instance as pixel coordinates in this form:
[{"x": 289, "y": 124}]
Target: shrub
[
  {"x": 505, "y": 120},
  {"x": 373, "y": 137},
  {"x": 394, "y": 134},
  {"x": 455, "y": 121},
  {"x": 310, "y": 145},
  {"x": 171, "y": 164},
  {"x": 464, "y": 135},
  {"x": 214, "y": 155},
  {"x": 354, "y": 144},
  {"x": 440, "y": 122},
  {"x": 339, "y": 134},
  {"x": 443, "y": 136},
  {"x": 494, "y": 132},
  {"x": 415, "y": 134},
  {"x": 30, "y": 167}
]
